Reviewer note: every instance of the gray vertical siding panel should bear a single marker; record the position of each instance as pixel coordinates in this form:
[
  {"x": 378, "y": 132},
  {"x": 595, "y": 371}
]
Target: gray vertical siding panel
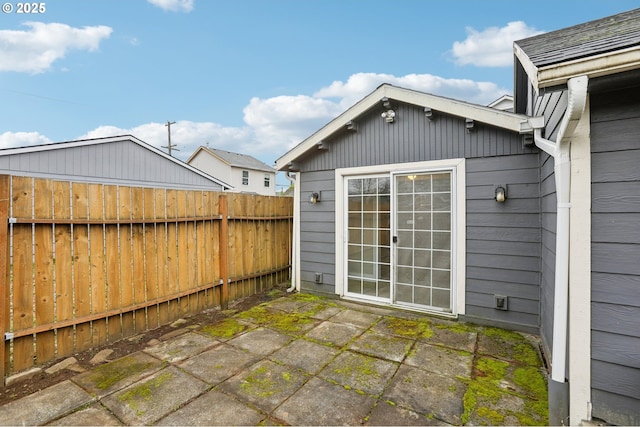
[
  {"x": 412, "y": 138},
  {"x": 121, "y": 162},
  {"x": 615, "y": 252}
]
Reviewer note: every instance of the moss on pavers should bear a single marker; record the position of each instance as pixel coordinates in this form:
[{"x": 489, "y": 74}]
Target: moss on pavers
[
  {"x": 151, "y": 399},
  {"x": 288, "y": 322},
  {"x": 112, "y": 376},
  {"x": 357, "y": 318},
  {"x": 511, "y": 390},
  {"x": 309, "y": 356},
  {"x": 427, "y": 393},
  {"x": 441, "y": 360},
  {"x": 181, "y": 347},
  {"x": 224, "y": 329},
  {"x": 216, "y": 365},
  {"x": 407, "y": 328},
  {"x": 261, "y": 341},
  {"x": 358, "y": 372},
  {"x": 265, "y": 384},
  {"x": 335, "y": 334},
  {"x": 507, "y": 345},
  {"x": 322, "y": 403},
  {"x": 385, "y": 346}
]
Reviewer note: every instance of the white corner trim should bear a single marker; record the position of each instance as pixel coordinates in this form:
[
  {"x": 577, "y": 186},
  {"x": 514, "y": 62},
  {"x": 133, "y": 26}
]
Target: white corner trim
[{"x": 580, "y": 273}]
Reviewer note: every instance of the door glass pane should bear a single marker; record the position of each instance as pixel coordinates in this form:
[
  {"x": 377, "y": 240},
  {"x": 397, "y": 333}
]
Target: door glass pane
[
  {"x": 369, "y": 237},
  {"x": 423, "y": 248}
]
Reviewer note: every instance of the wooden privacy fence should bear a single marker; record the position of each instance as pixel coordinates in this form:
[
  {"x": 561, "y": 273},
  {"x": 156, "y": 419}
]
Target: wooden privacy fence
[{"x": 84, "y": 264}]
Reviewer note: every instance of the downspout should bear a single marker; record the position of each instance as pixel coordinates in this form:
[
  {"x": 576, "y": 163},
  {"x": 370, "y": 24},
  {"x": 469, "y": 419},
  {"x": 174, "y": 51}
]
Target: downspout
[
  {"x": 561, "y": 153},
  {"x": 294, "y": 243}
]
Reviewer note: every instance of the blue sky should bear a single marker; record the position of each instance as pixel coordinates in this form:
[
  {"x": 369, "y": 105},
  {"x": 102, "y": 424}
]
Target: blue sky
[{"x": 251, "y": 76}]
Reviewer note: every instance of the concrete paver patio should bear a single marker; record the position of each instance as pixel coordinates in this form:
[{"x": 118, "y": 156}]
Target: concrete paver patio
[{"x": 303, "y": 360}]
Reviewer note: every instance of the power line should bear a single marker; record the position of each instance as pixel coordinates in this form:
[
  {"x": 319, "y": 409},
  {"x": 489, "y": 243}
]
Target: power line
[{"x": 169, "y": 146}]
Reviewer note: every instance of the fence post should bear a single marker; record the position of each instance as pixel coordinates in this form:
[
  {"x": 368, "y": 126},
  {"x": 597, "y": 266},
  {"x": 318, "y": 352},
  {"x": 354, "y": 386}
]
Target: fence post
[
  {"x": 223, "y": 239},
  {"x": 4, "y": 269}
]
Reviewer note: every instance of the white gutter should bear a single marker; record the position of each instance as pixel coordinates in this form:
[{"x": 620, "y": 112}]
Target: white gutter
[
  {"x": 560, "y": 150},
  {"x": 296, "y": 233}
]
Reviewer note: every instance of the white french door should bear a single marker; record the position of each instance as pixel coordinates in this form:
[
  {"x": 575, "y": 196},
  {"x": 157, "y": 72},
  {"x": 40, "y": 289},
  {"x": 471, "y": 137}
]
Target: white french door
[
  {"x": 422, "y": 228},
  {"x": 398, "y": 229}
]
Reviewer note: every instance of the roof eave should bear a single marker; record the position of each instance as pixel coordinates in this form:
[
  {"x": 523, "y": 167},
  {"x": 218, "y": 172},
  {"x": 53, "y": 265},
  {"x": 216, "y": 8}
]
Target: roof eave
[
  {"x": 502, "y": 119},
  {"x": 593, "y": 66}
]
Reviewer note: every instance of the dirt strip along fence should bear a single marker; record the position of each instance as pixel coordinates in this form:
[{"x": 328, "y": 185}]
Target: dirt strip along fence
[{"x": 85, "y": 264}]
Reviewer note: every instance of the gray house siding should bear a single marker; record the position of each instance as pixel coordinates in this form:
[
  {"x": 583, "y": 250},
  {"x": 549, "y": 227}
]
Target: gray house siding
[
  {"x": 503, "y": 240},
  {"x": 615, "y": 255},
  {"x": 551, "y": 105},
  {"x": 118, "y": 162},
  {"x": 317, "y": 236}
]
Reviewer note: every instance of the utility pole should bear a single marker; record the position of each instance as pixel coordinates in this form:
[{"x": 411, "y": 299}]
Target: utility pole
[{"x": 169, "y": 147}]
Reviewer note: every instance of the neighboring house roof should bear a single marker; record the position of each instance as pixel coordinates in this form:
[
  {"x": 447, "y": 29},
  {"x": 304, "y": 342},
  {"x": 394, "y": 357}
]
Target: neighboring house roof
[
  {"x": 438, "y": 104},
  {"x": 596, "y": 48},
  {"x": 504, "y": 103},
  {"x": 109, "y": 172},
  {"x": 234, "y": 159}
]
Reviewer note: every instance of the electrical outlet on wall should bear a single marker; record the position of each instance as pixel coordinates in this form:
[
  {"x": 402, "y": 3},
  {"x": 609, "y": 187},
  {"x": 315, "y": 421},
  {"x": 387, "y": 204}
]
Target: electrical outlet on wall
[{"x": 501, "y": 302}]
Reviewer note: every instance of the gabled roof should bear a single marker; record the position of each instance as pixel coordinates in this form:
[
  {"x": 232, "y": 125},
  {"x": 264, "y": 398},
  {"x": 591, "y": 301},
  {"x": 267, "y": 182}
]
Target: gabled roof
[
  {"x": 483, "y": 114},
  {"x": 596, "y": 48},
  {"x": 234, "y": 159},
  {"x": 107, "y": 140}
]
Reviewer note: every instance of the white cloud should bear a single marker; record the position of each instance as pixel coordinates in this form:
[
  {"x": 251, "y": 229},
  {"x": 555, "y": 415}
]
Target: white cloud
[
  {"x": 492, "y": 47},
  {"x": 274, "y": 125},
  {"x": 358, "y": 85},
  {"x": 22, "y": 139},
  {"x": 185, "y": 134},
  {"x": 174, "y": 5},
  {"x": 36, "y": 49}
]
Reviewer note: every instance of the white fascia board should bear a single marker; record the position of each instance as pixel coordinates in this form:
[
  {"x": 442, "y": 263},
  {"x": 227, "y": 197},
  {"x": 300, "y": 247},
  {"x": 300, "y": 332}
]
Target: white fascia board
[
  {"x": 491, "y": 116},
  {"x": 595, "y": 66},
  {"x": 592, "y": 66},
  {"x": 529, "y": 68}
]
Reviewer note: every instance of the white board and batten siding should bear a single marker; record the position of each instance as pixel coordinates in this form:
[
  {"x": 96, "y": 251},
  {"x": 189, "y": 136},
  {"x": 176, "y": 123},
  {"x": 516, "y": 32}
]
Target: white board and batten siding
[{"x": 502, "y": 240}]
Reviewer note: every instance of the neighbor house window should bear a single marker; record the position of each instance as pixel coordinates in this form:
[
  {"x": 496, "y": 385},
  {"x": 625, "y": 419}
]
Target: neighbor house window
[
  {"x": 267, "y": 180},
  {"x": 245, "y": 177}
]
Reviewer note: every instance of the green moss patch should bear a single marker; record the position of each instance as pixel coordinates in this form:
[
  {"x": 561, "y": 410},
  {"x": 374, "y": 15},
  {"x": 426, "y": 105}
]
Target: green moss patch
[
  {"x": 105, "y": 376},
  {"x": 286, "y": 322},
  {"x": 225, "y": 329},
  {"x": 410, "y": 328},
  {"x": 503, "y": 393}
]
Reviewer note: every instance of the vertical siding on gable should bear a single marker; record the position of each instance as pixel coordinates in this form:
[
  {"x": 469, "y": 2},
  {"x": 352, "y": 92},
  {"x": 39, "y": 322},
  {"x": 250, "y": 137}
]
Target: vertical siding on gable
[
  {"x": 503, "y": 240},
  {"x": 412, "y": 138},
  {"x": 615, "y": 252}
]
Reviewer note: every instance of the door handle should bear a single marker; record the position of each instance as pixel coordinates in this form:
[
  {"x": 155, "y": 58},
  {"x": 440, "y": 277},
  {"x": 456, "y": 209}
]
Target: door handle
[{"x": 395, "y": 239}]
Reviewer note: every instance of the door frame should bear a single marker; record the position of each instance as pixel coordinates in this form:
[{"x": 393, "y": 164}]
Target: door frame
[{"x": 458, "y": 250}]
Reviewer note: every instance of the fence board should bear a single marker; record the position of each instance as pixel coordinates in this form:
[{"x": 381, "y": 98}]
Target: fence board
[
  {"x": 93, "y": 263},
  {"x": 5, "y": 194}
]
